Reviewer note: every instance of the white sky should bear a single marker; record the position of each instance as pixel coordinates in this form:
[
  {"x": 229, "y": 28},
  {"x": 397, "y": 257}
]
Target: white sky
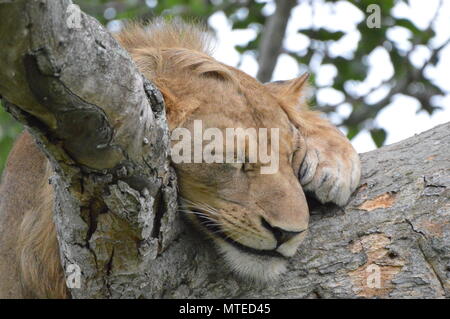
[{"x": 399, "y": 118}]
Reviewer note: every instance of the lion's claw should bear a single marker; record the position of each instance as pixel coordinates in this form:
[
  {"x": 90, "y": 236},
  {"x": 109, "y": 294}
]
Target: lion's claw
[{"x": 330, "y": 169}]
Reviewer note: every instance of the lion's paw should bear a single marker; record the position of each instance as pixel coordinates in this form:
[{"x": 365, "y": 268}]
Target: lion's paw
[{"x": 331, "y": 169}]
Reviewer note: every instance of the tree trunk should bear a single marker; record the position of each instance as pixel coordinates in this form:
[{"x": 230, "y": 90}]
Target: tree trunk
[{"x": 103, "y": 127}]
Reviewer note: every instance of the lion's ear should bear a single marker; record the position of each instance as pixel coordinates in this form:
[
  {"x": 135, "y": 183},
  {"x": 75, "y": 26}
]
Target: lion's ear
[{"x": 293, "y": 92}]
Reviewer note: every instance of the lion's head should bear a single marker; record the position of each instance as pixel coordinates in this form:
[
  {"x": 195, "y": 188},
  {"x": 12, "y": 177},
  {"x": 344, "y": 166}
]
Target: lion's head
[{"x": 257, "y": 220}]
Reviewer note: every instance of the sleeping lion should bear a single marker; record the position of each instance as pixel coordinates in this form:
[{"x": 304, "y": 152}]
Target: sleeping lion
[{"x": 256, "y": 220}]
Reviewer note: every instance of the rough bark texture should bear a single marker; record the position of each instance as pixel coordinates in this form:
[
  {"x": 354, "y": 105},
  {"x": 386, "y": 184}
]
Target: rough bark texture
[
  {"x": 397, "y": 226},
  {"x": 272, "y": 39},
  {"x": 103, "y": 126}
]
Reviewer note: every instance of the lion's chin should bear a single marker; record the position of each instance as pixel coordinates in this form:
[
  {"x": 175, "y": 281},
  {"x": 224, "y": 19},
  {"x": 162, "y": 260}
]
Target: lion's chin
[{"x": 256, "y": 268}]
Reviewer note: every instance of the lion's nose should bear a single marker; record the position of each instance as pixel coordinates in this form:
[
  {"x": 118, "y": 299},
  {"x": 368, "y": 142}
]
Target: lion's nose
[{"x": 281, "y": 235}]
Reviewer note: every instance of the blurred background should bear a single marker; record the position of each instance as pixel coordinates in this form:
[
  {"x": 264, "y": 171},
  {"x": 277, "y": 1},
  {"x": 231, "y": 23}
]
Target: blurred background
[{"x": 380, "y": 69}]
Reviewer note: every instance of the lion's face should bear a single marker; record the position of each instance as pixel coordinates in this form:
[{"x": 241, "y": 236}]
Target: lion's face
[{"x": 257, "y": 220}]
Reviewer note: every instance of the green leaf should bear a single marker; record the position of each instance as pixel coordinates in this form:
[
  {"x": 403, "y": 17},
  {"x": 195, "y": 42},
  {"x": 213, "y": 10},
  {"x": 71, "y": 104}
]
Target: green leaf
[
  {"x": 352, "y": 131},
  {"x": 378, "y": 136},
  {"x": 408, "y": 25},
  {"x": 323, "y": 35}
]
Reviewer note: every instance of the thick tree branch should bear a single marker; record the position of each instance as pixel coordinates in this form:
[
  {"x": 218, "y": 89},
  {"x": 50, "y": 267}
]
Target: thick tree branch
[
  {"x": 390, "y": 241},
  {"x": 103, "y": 126},
  {"x": 272, "y": 39}
]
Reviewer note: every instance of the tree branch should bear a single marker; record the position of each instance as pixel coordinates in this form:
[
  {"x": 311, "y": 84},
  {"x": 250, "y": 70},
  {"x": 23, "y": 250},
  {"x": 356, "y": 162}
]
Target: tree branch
[
  {"x": 390, "y": 241},
  {"x": 272, "y": 39},
  {"x": 103, "y": 126}
]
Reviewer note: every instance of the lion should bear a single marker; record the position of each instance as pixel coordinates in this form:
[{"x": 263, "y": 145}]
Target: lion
[{"x": 257, "y": 221}]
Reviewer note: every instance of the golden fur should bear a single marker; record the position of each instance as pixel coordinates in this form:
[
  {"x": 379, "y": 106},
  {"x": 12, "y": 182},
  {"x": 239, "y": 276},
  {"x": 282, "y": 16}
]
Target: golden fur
[
  {"x": 29, "y": 258},
  {"x": 249, "y": 207}
]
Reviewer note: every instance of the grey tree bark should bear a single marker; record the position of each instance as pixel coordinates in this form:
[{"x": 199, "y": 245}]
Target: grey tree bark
[
  {"x": 103, "y": 127},
  {"x": 272, "y": 39}
]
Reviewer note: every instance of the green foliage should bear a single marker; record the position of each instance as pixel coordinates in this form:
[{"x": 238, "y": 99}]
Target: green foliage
[
  {"x": 9, "y": 129},
  {"x": 353, "y": 69},
  {"x": 378, "y": 136},
  {"x": 323, "y": 34}
]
